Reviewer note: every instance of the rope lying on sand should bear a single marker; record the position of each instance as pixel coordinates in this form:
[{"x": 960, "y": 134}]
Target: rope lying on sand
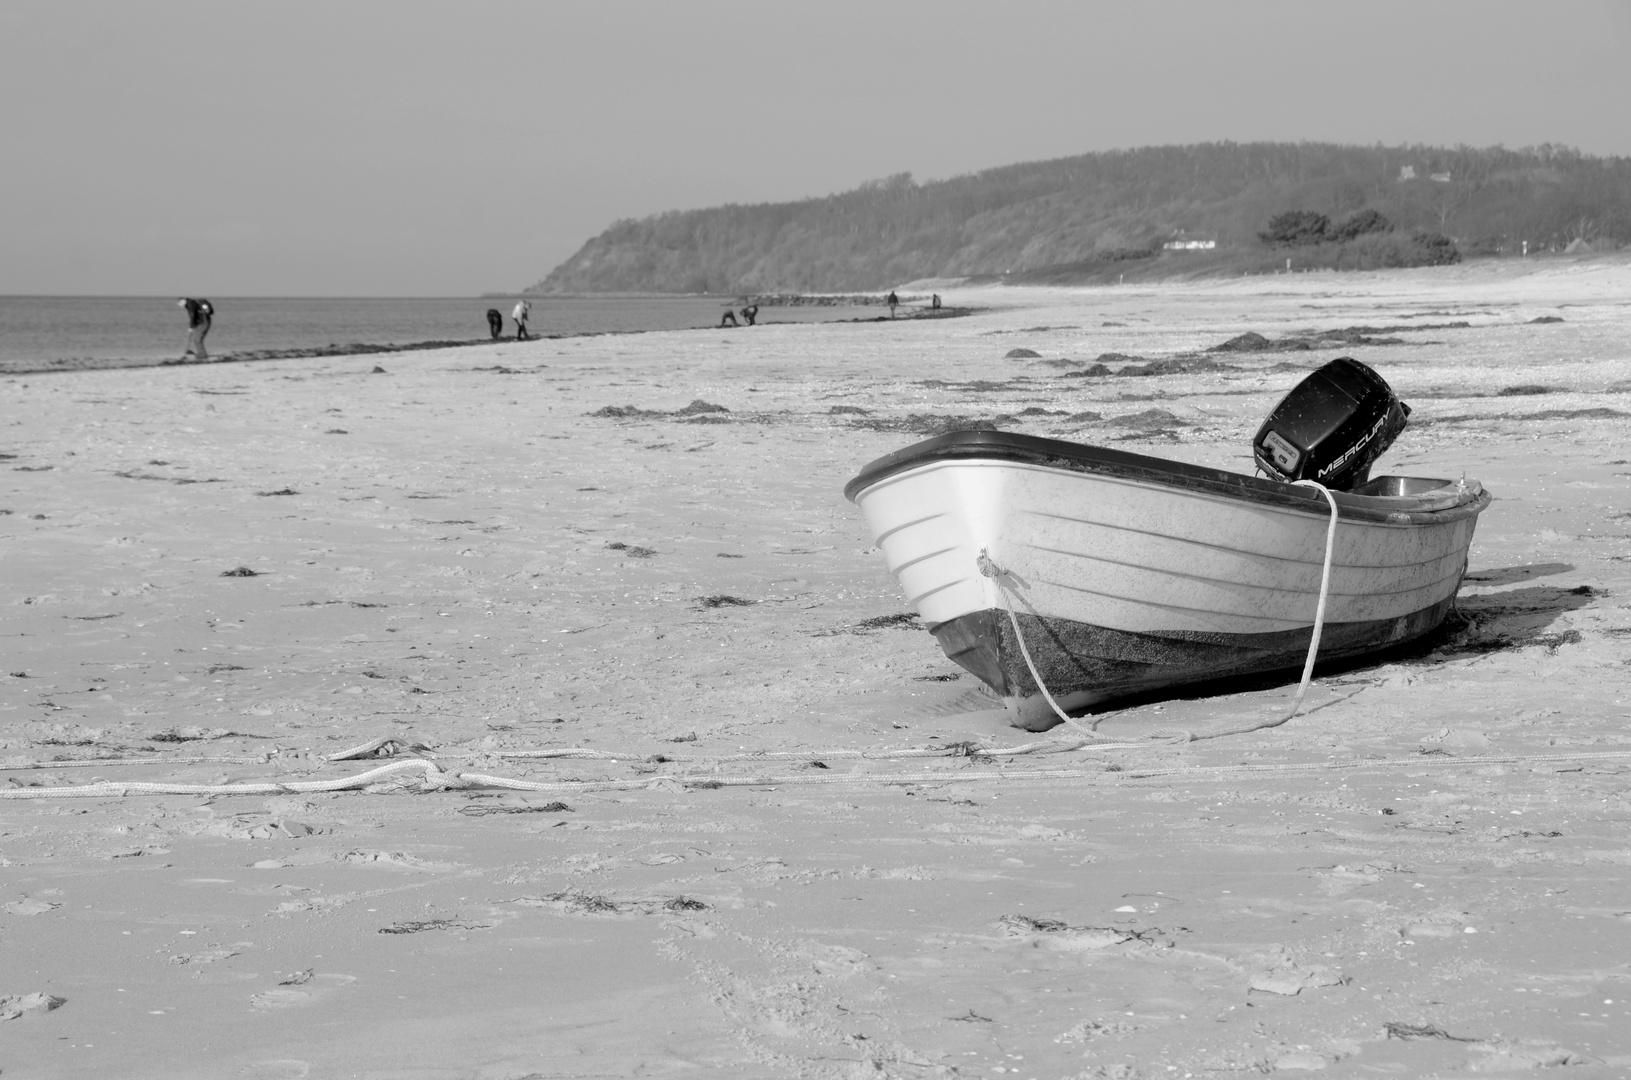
[
  {"x": 131, "y": 787},
  {"x": 86, "y": 763},
  {"x": 396, "y": 777},
  {"x": 958, "y": 749},
  {"x": 434, "y": 776},
  {"x": 391, "y": 746}
]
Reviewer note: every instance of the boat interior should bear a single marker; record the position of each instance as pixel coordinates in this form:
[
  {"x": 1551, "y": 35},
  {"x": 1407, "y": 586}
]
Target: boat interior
[{"x": 1396, "y": 487}]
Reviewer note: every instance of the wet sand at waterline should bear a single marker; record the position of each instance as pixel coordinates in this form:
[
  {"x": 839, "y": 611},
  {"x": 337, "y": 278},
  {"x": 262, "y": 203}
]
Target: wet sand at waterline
[{"x": 229, "y": 573}]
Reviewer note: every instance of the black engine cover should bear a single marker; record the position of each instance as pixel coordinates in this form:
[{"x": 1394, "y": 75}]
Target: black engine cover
[{"x": 1331, "y": 427}]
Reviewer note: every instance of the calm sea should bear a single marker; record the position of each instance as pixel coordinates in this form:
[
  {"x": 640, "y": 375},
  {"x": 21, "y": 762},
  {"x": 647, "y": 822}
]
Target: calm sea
[{"x": 36, "y": 331}]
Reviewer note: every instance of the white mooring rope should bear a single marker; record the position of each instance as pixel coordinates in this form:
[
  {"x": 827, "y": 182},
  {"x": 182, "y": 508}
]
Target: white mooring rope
[
  {"x": 398, "y": 777},
  {"x": 1325, "y": 592}
]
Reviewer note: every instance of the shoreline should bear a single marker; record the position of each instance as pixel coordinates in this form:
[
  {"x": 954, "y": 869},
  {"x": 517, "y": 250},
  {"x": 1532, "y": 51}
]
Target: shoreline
[{"x": 369, "y": 349}]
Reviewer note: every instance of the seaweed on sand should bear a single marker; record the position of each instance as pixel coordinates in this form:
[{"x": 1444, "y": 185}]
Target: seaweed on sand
[
  {"x": 698, "y": 407},
  {"x": 1148, "y": 420},
  {"x": 930, "y": 424},
  {"x": 547, "y": 808},
  {"x": 1138, "y": 367},
  {"x": 1598, "y": 413},
  {"x": 129, "y": 474},
  {"x": 905, "y": 620},
  {"x": 722, "y": 600}
]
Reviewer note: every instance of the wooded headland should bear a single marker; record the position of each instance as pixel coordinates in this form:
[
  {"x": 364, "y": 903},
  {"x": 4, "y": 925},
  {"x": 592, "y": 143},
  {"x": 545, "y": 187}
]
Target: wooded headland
[{"x": 1153, "y": 212}]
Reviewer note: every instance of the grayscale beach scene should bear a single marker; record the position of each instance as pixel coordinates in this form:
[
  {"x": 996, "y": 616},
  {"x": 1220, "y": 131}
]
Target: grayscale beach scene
[{"x": 1137, "y": 596}]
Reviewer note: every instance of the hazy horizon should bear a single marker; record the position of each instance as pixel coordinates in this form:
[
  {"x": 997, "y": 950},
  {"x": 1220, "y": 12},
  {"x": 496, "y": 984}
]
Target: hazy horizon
[{"x": 415, "y": 149}]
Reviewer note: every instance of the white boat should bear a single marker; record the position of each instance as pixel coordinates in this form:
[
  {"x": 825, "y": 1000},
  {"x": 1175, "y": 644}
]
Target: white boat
[{"x": 1126, "y": 573}]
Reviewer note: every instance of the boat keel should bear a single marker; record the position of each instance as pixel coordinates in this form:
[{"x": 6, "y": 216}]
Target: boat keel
[{"x": 1084, "y": 665}]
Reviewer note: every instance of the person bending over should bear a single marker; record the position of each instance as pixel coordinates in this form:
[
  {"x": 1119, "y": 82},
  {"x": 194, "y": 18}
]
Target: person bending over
[
  {"x": 495, "y": 322},
  {"x": 522, "y": 310},
  {"x": 199, "y": 314}
]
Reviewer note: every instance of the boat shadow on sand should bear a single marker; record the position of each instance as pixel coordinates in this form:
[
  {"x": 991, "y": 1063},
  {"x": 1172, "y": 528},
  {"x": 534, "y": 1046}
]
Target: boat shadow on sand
[
  {"x": 1514, "y": 619},
  {"x": 1479, "y": 624}
]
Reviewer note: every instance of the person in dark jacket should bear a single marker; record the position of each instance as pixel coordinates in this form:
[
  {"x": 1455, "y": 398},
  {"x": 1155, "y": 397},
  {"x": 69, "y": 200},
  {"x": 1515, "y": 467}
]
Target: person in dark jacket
[
  {"x": 495, "y": 322},
  {"x": 199, "y": 314}
]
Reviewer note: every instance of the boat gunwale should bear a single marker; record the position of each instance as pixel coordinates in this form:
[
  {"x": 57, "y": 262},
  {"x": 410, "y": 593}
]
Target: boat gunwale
[{"x": 1004, "y": 447}]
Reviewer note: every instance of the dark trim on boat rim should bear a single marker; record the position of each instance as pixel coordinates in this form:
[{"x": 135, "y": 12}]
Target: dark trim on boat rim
[{"x": 1006, "y": 446}]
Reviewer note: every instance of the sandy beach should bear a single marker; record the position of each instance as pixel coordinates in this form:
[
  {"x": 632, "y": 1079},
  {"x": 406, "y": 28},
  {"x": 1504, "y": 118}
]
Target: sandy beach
[{"x": 790, "y": 843}]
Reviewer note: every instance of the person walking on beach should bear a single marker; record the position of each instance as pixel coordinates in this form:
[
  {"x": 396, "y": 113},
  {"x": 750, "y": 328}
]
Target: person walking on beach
[
  {"x": 495, "y": 322},
  {"x": 199, "y": 313},
  {"x": 522, "y": 310},
  {"x": 893, "y": 301}
]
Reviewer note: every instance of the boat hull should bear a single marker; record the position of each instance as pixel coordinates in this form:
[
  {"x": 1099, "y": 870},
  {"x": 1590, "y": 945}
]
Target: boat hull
[{"x": 1129, "y": 574}]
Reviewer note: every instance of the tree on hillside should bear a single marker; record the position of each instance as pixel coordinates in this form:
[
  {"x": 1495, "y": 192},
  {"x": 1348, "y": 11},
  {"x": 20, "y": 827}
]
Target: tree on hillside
[
  {"x": 897, "y": 182},
  {"x": 1439, "y": 249},
  {"x": 1364, "y": 221},
  {"x": 1471, "y": 172},
  {"x": 1294, "y": 228}
]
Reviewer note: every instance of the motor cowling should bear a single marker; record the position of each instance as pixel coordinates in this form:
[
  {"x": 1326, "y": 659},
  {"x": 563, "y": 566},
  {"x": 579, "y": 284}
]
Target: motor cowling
[{"x": 1331, "y": 427}]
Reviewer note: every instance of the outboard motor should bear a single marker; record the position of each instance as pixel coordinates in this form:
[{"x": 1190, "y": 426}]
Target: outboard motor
[{"x": 1331, "y": 427}]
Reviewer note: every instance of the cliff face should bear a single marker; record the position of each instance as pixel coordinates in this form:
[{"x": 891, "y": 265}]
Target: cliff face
[{"x": 1108, "y": 210}]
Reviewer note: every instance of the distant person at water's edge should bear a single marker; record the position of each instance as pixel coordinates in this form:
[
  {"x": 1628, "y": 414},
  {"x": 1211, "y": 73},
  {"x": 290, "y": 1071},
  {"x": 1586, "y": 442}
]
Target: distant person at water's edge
[
  {"x": 199, "y": 313},
  {"x": 495, "y": 322},
  {"x": 750, "y": 313},
  {"x": 893, "y": 301},
  {"x": 522, "y": 310},
  {"x": 728, "y": 319},
  {"x": 934, "y": 301}
]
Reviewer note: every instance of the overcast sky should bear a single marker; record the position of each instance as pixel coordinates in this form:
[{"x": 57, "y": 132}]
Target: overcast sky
[{"x": 423, "y": 149}]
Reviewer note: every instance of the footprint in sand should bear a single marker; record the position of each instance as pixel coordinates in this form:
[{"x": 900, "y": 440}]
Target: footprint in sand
[
  {"x": 308, "y": 992},
  {"x": 211, "y": 954}
]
